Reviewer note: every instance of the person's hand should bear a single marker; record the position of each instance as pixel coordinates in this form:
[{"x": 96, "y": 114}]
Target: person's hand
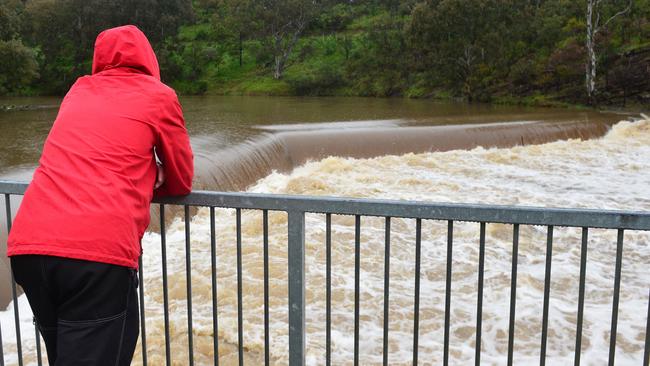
[{"x": 160, "y": 177}]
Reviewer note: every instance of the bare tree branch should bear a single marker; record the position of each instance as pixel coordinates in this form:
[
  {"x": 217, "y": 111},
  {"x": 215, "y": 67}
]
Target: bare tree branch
[{"x": 629, "y": 6}]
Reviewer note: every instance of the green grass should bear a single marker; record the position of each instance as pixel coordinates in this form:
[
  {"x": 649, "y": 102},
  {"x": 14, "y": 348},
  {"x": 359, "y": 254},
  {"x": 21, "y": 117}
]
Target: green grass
[
  {"x": 536, "y": 100},
  {"x": 254, "y": 85}
]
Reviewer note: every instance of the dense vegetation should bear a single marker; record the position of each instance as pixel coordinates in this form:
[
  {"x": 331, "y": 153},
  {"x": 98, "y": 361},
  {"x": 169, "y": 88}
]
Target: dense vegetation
[{"x": 514, "y": 51}]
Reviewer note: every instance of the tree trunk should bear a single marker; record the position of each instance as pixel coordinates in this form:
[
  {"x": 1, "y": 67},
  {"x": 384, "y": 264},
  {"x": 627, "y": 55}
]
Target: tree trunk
[
  {"x": 593, "y": 26},
  {"x": 241, "y": 51},
  {"x": 590, "y": 65},
  {"x": 282, "y": 53},
  {"x": 279, "y": 67},
  {"x": 278, "y": 57}
]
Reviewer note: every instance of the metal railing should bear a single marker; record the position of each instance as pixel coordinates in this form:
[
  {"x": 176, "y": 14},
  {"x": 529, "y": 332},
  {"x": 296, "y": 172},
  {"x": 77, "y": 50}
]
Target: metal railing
[{"x": 297, "y": 206}]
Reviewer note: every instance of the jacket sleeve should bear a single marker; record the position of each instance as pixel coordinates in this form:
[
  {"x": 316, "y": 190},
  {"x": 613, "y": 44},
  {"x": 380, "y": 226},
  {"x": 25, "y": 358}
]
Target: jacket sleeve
[{"x": 174, "y": 151}]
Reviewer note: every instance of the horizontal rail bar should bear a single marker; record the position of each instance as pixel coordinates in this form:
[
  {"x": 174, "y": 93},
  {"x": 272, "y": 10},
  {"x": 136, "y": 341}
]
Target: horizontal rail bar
[
  {"x": 605, "y": 219},
  {"x": 11, "y": 187}
]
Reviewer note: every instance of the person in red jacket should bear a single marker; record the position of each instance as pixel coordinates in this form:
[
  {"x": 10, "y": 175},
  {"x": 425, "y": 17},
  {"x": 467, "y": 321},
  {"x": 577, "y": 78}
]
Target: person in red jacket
[{"x": 75, "y": 242}]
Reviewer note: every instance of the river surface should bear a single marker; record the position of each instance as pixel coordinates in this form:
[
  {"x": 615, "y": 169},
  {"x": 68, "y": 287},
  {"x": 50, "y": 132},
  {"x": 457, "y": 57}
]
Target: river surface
[
  {"x": 610, "y": 170},
  {"x": 216, "y": 123}
]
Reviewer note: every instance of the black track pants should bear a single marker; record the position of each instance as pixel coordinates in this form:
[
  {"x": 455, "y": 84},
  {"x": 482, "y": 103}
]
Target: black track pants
[{"x": 87, "y": 312}]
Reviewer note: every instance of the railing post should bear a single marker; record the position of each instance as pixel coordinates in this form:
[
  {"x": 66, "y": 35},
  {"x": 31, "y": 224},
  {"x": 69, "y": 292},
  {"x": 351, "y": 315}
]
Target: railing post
[{"x": 296, "y": 259}]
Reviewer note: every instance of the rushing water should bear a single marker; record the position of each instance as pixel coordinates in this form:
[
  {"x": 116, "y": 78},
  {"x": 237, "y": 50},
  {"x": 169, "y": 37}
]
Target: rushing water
[
  {"x": 611, "y": 172},
  {"x": 568, "y": 174}
]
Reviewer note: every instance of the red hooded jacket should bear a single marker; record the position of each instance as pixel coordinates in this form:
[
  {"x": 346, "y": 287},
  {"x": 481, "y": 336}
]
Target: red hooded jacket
[{"x": 89, "y": 198}]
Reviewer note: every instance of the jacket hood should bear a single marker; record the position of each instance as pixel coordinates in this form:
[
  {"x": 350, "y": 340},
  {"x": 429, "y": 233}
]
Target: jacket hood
[{"x": 125, "y": 46}]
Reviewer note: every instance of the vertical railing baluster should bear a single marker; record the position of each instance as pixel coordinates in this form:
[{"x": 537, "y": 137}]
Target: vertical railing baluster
[
  {"x": 240, "y": 313},
  {"x": 581, "y": 294},
  {"x": 296, "y": 259},
  {"x": 450, "y": 245},
  {"x": 513, "y": 292},
  {"x": 646, "y": 353},
  {"x": 357, "y": 277},
  {"x": 39, "y": 356},
  {"x": 328, "y": 289},
  {"x": 386, "y": 288},
  {"x": 617, "y": 289},
  {"x": 143, "y": 328},
  {"x": 265, "y": 229},
  {"x": 213, "y": 262},
  {"x": 13, "y": 290},
  {"x": 163, "y": 252},
  {"x": 2, "y": 351},
  {"x": 16, "y": 320},
  {"x": 416, "y": 300},
  {"x": 188, "y": 275},
  {"x": 547, "y": 291},
  {"x": 479, "y": 302}
]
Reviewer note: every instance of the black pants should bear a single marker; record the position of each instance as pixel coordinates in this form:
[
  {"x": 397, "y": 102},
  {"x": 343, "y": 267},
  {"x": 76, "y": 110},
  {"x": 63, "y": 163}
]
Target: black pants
[{"x": 87, "y": 312}]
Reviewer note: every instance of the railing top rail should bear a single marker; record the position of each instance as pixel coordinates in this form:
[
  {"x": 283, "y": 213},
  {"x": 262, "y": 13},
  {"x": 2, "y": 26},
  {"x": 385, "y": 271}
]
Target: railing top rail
[{"x": 608, "y": 219}]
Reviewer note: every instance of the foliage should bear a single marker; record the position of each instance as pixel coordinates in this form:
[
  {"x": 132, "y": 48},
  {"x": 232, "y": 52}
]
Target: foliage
[
  {"x": 18, "y": 63},
  {"x": 18, "y": 66},
  {"x": 65, "y": 31},
  {"x": 519, "y": 51}
]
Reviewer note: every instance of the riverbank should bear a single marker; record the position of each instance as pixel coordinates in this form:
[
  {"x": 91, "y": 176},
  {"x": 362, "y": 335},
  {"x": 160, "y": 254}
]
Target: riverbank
[
  {"x": 269, "y": 88},
  {"x": 323, "y": 67}
]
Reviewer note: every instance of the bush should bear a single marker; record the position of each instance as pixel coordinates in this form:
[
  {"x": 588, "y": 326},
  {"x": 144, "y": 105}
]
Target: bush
[
  {"x": 318, "y": 78},
  {"x": 18, "y": 66}
]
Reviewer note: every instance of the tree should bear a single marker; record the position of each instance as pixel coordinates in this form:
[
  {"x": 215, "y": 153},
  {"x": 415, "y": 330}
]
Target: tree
[
  {"x": 10, "y": 18},
  {"x": 65, "y": 30},
  {"x": 232, "y": 22},
  {"x": 378, "y": 62},
  {"x": 18, "y": 66},
  {"x": 593, "y": 15},
  {"x": 281, "y": 23},
  {"x": 459, "y": 44}
]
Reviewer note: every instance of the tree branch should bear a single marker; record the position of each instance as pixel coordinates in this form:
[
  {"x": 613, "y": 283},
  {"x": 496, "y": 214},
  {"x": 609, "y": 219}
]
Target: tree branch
[{"x": 629, "y": 6}]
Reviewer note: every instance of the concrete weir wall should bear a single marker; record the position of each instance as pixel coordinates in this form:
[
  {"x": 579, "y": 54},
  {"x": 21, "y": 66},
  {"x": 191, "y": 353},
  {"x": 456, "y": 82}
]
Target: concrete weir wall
[{"x": 240, "y": 166}]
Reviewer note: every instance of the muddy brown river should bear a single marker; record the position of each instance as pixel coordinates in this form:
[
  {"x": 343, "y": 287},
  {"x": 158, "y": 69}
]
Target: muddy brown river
[{"x": 394, "y": 149}]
